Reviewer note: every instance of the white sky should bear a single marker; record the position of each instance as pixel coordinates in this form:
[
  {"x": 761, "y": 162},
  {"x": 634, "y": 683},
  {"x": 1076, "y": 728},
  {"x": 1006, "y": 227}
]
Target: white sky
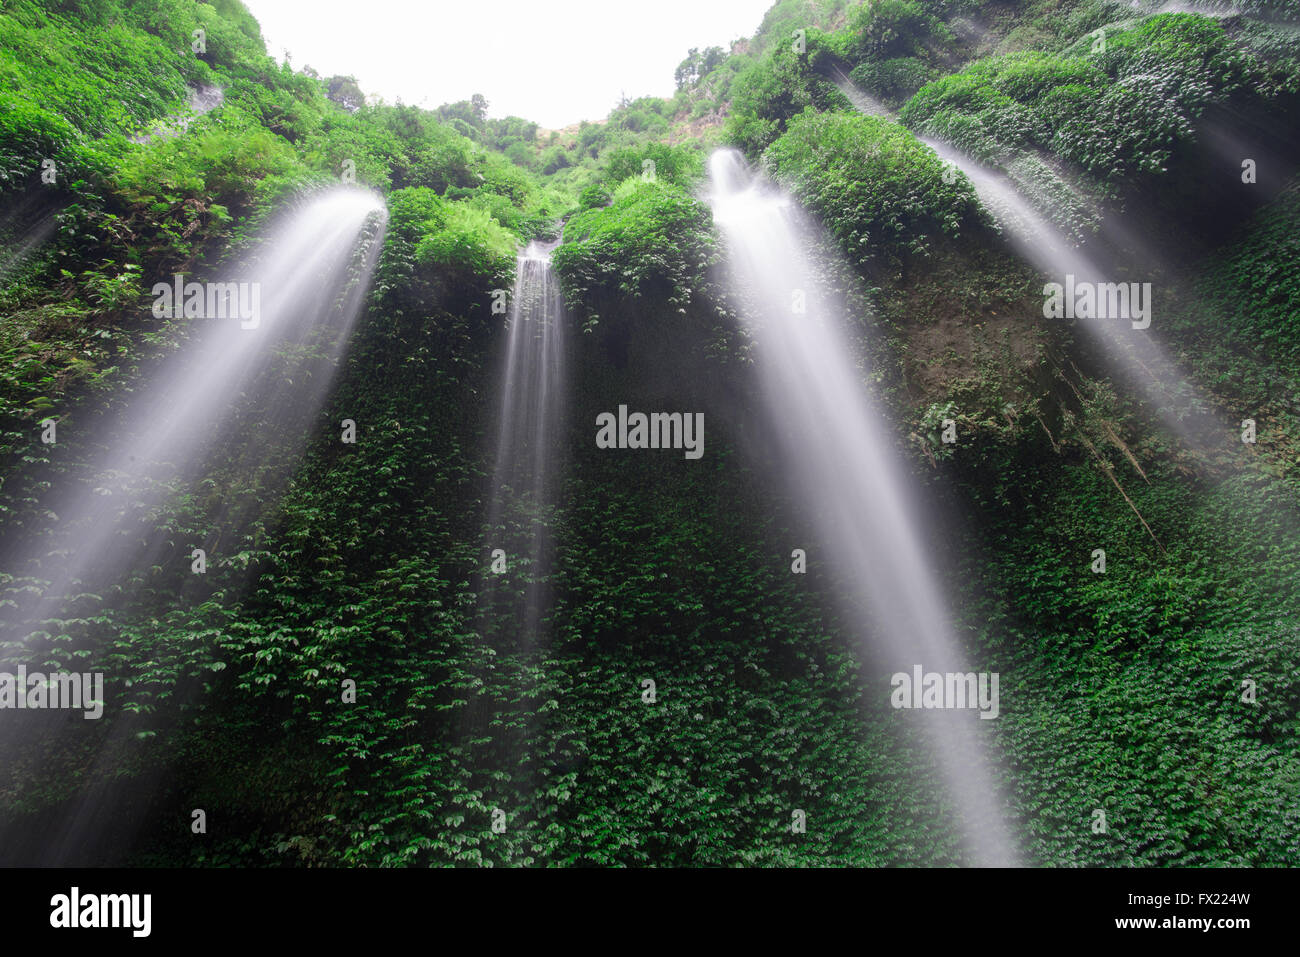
[{"x": 552, "y": 61}]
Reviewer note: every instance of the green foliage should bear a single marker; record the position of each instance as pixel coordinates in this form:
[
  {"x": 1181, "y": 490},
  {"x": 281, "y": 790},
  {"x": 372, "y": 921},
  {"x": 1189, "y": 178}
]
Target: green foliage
[
  {"x": 62, "y": 89},
  {"x": 1120, "y": 691},
  {"x": 1255, "y": 282},
  {"x": 435, "y": 156},
  {"x": 786, "y": 16},
  {"x": 1121, "y": 106},
  {"x": 989, "y": 108},
  {"x": 878, "y": 189},
  {"x": 344, "y": 91},
  {"x": 468, "y": 115},
  {"x": 654, "y": 238},
  {"x": 1134, "y": 675},
  {"x": 223, "y": 164},
  {"x": 680, "y": 165},
  {"x": 439, "y": 252},
  {"x": 466, "y": 238},
  {"x": 892, "y": 80},
  {"x": 697, "y": 66},
  {"x": 769, "y": 92},
  {"x": 889, "y": 29},
  {"x": 30, "y": 135},
  {"x": 594, "y": 196}
]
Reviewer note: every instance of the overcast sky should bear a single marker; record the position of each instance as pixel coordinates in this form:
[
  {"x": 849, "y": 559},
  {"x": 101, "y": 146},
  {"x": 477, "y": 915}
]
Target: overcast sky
[{"x": 556, "y": 62}]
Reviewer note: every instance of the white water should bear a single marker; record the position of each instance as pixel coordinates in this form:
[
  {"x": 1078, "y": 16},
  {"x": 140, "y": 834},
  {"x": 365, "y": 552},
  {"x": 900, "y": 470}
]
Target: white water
[
  {"x": 1135, "y": 354},
  {"x": 848, "y": 476},
  {"x": 312, "y": 277},
  {"x": 861, "y": 101},
  {"x": 314, "y": 270},
  {"x": 1210, "y": 9},
  {"x": 522, "y": 494}
]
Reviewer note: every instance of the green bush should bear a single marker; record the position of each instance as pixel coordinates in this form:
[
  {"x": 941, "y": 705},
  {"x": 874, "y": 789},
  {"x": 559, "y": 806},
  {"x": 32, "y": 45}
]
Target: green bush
[
  {"x": 772, "y": 90},
  {"x": 653, "y": 237},
  {"x": 879, "y": 190},
  {"x": 889, "y": 29},
  {"x": 1120, "y": 106},
  {"x": 990, "y": 109},
  {"x": 675, "y": 164},
  {"x": 466, "y": 239},
  {"x": 222, "y": 163},
  {"x": 594, "y": 196},
  {"x": 892, "y": 80}
]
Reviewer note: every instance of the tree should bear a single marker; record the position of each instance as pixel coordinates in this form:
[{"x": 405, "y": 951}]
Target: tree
[
  {"x": 889, "y": 27},
  {"x": 471, "y": 114},
  {"x": 688, "y": 70},
  {"x": 697, "y": 65},
  {"x": 344, "y": 91}
]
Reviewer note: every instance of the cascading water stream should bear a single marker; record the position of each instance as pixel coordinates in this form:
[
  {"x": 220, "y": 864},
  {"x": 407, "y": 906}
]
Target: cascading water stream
[
  {"x": 1134, "y": 352},
  {"x": 519, "y": 541},
  {"x": 231, "y": 386},
  {"x": 845, "y": 471},
  {"x": 522, "y": 495},
  {"x": 301, "y": 275}
]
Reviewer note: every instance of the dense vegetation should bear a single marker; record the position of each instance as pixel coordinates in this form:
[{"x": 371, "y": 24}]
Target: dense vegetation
[{"x": 366, "y": 562}]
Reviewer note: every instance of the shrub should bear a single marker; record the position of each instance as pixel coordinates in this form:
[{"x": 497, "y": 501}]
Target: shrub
[
  {"x": 877, "y": 188},
  {"x": 653, "y": 236}
]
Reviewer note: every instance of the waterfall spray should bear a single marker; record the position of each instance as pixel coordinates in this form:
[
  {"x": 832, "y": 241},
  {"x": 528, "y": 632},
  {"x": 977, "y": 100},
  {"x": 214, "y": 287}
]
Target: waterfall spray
[
  {"x": 1134, "y": 353},
  {"x": 225, "y": 387},
  {"x": 845, "y": 471},
  {"x": 522, "y": 495}
]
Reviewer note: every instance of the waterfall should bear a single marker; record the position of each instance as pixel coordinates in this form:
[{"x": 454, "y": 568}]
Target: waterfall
[
  {"x": 240, "y": 392},
  {"x": 303, "y": 274},
  {"x": 1134, "y": 353},
  {"x": 522, "y": 495},
  {"x": 848, "y": 477},
  {"x": 519, "y": 537}
]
